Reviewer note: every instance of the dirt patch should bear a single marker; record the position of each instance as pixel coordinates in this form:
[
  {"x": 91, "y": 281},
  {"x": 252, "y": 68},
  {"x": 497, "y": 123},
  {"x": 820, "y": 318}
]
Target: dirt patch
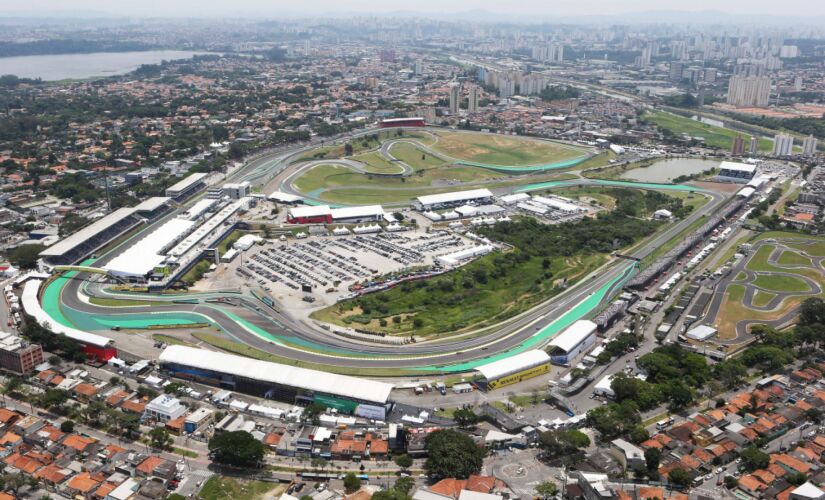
[{"x": 722, "y": 187}]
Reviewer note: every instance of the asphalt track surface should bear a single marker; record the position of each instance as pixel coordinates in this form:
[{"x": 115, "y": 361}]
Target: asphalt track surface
[
  {"x": 251, "y": 322},
  {"x": 742, "y": 326}
]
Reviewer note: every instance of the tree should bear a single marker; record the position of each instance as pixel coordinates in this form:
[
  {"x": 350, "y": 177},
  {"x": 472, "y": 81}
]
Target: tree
[
  {"x": 25, "y": 256},
  {"x": 238, "y": 448},
  {"x": 452, "y": 454},
  {"x": 67, "y": 426},
  {"x": 404, "y": 484},
  {"x": 639, "y": 434},
  {"x": 564, "y": 445},
  {"x": 679, "y": 477},
  {"x": 160, "y": 438},
  {"x": 465, "y": 417},
  {"x": 347, "y": 149},
  {"x": 351, "y": 483},
  {"x": 547, "y": 489},
  {"x": 754, "y": 459},
  {"x": 404, "y": 461},
  {"x": 652, "y": 458},
  {"x": 731, "y": 482}
]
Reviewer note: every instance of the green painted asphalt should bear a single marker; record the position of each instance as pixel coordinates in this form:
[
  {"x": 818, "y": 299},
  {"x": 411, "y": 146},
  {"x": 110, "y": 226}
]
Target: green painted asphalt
[
  {"x": 600, "y": 182},
  {"x": 576, "y": 313},
  {"x": 529, "y": 168}
]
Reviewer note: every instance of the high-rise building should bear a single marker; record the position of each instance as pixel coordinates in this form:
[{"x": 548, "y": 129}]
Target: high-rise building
[
  {"x": 472, "y": 100},
  {"x": 753, "y": 148},
  {"x": 738, "y": 146},
  {"x": 782, "y": 145},
  {"x": 419, "y": 67},
  {"x": 749, "y": 91},
  {"x": 809, "y": 146},
  {"x": 676, "y": 69},
  {"x": 455, "y": 94}
]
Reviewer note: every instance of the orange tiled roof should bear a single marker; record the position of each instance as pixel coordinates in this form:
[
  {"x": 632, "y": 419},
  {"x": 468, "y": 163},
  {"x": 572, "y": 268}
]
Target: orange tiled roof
[
  {"x": 150, "y": 464},
  {"x": 791, "y": 462},
  {"x": 87, "y": 390},
  {"x": 83, "y": 482},
  {"x": 51, "y": 473},
  {"x": 9, "y": 438},
  {"x": 78, "y": 442}
]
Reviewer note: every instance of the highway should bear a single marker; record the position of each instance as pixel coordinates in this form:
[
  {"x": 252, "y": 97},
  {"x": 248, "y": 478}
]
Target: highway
[{"x": 254, "y": 324}]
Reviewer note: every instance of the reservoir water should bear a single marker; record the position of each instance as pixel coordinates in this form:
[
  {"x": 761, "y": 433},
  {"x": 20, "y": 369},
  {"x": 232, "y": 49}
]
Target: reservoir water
[
  {"x": 80, "y": 66},
  {"x": 666, "y": 170}
]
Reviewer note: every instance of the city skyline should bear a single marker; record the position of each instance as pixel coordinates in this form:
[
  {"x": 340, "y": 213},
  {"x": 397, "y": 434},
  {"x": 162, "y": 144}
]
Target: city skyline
[{"x": 531, "y": 8}]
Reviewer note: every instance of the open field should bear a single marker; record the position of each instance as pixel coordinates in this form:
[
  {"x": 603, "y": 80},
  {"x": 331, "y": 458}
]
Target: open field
[
  {"x": 793, "y": 259},
  {"x": 719, "y": 137},
  {"x": 227, "y": 488},
  {"x": 414, "y": 157},
  {"x": 374, "y": 162},
  {"x": 762, "y": 298},
  {"x": 780, "y": 283},
  {"x": 504, "y": 150}
]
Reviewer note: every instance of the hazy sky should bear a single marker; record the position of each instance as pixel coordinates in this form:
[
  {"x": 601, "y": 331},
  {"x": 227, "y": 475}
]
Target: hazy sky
[{"x": 271, "y": 8}]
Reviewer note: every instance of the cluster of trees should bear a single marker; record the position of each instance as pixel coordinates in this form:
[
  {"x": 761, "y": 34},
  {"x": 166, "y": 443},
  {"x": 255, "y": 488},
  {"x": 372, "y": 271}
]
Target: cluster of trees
[
  {"x": 452, "y": 454},
  {"x": 686, "y": 100},
  {"x": 563, "y": 446},
  {"x": 558, "y": 92},
  {"x": 603, "y": 234},
  {"x": 637, "y": 203},
  {"x": 759, "y": 211},
  {"x": 807, "y": 126},
  {"x": 68, "y": 46},
  {"x": 620, "y": 344},
  {"x": 51, "y": 342},
  {"x": 236, "y": 449}
]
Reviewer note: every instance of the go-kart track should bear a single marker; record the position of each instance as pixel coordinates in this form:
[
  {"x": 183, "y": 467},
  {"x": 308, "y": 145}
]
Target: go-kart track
[{"x": 247, "y": 320}]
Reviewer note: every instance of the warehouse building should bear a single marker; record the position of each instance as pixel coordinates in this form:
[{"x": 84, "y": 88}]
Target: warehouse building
[
  {"x": 187, "y": 187},
  {"x": 323, "y": 214},
  {"x": 454, "y": 199},
  {"x": 736, "y": 172},
  {"x": 361, "y": 397},
  {"x": 357, "y": 215},
  {"x": 320, "y": 214},
  {"x": 572, "y": 342},
  {"x": 83, "y": 243},
  {"x": 514, "y": 369}
]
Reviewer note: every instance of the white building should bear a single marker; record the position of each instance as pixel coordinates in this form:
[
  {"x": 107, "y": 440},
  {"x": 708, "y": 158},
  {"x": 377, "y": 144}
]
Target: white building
[
  {"x": 572, "y": 341},
  {"x": 782, "y": 145},
  {"x": 454, "y": 199},
  {"x": 749, "y": 91},
  {"x": 164, "y": 408},
  {"x": 236, "y": 191},
  {"x": 809, "y": 146}
]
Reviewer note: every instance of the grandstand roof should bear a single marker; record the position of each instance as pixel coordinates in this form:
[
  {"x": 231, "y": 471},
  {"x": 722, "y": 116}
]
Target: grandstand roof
[
  {"x": 152, "y": 204},
  {"x": 186, "y": 182},
  {"x": 32, "y": 307},
  {"x": 292, "y": 376},
  {"x": 454, "y": 197},
  {"x": 574, "y": 335},
  {"x": 284, "y": 197},
  {"x": 142, "y": 257},
  {"x": 207, "y": 227},
  {"x": 737, "y": 167},
  {"x": 513, "y": 364},
  {"x": 80, "y": 237}
]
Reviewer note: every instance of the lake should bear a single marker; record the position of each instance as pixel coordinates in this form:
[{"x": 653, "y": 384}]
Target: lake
[
  {"x": 666, "y": 170},
  {"x": 80, "y": 66}
]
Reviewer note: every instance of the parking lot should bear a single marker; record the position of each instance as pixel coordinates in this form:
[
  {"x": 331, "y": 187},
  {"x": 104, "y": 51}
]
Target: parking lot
[{"x": 320, "y": 270}]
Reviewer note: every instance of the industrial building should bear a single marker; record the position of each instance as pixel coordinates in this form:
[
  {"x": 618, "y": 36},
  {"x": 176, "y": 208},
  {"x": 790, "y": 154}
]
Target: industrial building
[
  {"x": 84, "y": 242},
  {"x": 17, "y": 355},
  {"x": 454, "y": 199},
  {"x": 361, "y": 397},
  {"x": 736, "y": 172},
  {"x": 323, "y": 214},
  {"x": 572, "y": 342},
  {"x": 95, "y": 346},
  {"x": 514, "y": 369},
  {"x": 320, "y": 214},
  {"x": 187, "y": 187}
]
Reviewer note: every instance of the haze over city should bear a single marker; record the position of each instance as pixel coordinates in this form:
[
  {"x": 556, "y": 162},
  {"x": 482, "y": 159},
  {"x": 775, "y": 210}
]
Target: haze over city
[{"x": 385, "y": 250}]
